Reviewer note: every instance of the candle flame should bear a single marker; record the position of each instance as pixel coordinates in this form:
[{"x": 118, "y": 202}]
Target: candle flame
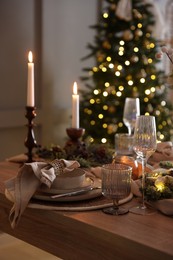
[
  {"x": 30, "y": 58},
  {"x": 75, "y": 88}
]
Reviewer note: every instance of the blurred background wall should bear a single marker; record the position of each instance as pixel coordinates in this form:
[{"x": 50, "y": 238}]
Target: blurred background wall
[{"x": 57, "y": 32}]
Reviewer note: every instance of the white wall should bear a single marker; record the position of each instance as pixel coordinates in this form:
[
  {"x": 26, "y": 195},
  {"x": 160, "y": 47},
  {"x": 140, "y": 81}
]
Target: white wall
[
  {"x": 17, "y": 36},
  {"x": 65, "y": 34}
]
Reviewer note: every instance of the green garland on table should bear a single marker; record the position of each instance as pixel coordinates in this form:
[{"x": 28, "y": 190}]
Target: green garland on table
[
  {"x": 159, "y": 186},
  {"x": 88, "y": 156}
]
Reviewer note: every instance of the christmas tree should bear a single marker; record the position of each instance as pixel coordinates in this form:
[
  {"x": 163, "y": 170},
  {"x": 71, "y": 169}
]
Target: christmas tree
[{"x": 126, "y": 66}]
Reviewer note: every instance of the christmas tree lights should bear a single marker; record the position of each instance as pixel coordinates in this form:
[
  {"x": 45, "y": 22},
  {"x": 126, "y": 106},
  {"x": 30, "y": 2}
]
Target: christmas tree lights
[{"x": 126, "y": 66}]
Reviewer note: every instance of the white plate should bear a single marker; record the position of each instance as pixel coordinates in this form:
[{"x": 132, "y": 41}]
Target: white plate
[
  {"x": 93, "y": 182},
  {"x": 87, "y": 183},
  {"x": 85, "y": 196}
]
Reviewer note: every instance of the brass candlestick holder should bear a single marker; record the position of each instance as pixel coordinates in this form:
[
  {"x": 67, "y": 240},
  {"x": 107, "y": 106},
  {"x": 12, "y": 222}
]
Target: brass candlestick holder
[{"x": 30, "y": 141}]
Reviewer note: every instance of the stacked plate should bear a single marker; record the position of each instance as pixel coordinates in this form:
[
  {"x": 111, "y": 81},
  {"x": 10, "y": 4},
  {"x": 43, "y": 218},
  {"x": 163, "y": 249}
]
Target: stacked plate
[{"x": 71, "y": 186}]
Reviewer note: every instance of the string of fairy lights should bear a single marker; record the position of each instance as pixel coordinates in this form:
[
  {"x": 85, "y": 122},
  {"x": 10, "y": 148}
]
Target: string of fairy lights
[{"x": 106, "y": 64}]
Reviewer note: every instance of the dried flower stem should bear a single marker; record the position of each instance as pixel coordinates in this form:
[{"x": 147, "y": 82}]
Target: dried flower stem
[
  {"x": 168, "y": 52},
  {"x": 169, "y": 57}
]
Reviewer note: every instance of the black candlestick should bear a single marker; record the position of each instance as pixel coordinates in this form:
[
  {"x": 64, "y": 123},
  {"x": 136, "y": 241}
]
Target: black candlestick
[{"x": 30, "y": 141}]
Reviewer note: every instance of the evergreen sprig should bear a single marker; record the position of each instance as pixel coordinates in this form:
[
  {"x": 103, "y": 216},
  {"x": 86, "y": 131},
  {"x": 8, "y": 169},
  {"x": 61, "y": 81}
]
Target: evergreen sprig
[
  {"x": 87, "y": 156},
  {"x": 152, "y": 191}
]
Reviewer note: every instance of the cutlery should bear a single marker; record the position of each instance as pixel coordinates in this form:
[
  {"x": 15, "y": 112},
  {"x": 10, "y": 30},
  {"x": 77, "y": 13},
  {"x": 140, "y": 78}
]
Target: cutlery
[
  {"x": 72, "y": 193},
  {"x": 77, "y": 192}
]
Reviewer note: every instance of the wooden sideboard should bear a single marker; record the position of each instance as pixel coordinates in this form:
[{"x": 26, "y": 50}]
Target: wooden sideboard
[{"x": 90, "y": 234}]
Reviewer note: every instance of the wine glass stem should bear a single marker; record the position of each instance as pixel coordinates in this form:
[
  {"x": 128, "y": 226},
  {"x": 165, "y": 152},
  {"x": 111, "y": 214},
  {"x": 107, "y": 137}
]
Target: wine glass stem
[
  {"x": 144, "y": 162},
  {"x": 115, "y": 205},
  {"x": 129, "y": 130}
]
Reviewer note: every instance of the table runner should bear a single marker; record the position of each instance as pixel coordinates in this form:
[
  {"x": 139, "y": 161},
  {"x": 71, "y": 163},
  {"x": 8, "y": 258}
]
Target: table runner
[
  {"x": 99, "y": 202},
  {"x": 35, "y": 179}
]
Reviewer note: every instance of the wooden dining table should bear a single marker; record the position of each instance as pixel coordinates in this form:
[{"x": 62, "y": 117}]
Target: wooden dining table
[{"x": 89, "y": 234}]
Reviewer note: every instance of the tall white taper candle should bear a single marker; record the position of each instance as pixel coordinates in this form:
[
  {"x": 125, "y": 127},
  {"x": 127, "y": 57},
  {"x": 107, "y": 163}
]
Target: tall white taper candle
[
  {"x": 30, "y": 87},
  {"x": 75, "y": 107}
]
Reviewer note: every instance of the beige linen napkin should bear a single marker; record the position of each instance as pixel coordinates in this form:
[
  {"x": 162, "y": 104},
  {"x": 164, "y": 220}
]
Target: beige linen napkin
[
  {"x": 29, "y": 178},
  {"x": 165, "y": 206},
  {"x": 164, "y": 152}
]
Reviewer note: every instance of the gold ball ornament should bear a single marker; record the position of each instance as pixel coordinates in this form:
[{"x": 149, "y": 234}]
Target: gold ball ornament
[
  {"x": 137, "y": 14},
  {"x": 112, "y": 128},
  {"x": 135, "y": 94},
  {"x": 113, "y": 7},
  {"x": 100, "y": 56},
  {"x": 138, "y": 33},
  {"x": 111, "y": 109},
  {"x": 145, "y": 60},
  {"x": 127, "y": 35},
  {"x": 110, "y": 89},
  {"x": 143, "y": 73},
  {"x": 116, "y": 66},
  {"x": 106, "y": 45},
  {"x": 134, "y": 58},
  {"x": 129, "y": 77},
  {"x": 146, "y": 43},
  {"x": 150, "y": 108}
]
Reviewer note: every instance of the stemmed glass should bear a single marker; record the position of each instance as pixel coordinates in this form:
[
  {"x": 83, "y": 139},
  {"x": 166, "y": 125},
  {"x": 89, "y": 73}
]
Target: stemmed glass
[
  {"x": 116, "y": 185},
  {"x": 145, "y": 144},
  {"x": 131, "y": 111}
]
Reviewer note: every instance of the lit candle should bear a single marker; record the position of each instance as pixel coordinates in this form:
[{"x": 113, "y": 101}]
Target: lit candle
[
  {"x": 75, "y": 107},
  {"x": 30, "y": 88}
]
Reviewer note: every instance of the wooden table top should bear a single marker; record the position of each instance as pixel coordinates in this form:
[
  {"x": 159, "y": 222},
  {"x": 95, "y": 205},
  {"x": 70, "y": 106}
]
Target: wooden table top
[{"x": 90, "y": 234}]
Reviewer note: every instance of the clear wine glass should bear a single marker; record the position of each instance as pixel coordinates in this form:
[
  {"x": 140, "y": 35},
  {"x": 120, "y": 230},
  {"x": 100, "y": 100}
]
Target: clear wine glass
[
  {"x": 116, "y": 185},
  {"x": 145, "y": 144},
  {"x": 131, "y": 111}
]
